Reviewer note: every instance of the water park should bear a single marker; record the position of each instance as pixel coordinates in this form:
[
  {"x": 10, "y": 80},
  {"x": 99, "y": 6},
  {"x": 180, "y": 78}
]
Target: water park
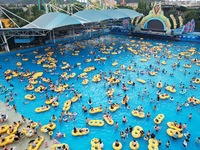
[{"x": 104, "y": 85}]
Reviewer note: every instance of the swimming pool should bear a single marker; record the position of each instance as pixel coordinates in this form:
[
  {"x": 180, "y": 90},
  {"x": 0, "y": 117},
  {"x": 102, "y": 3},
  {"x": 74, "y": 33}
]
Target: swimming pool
[{"x": 97, "y": 91}]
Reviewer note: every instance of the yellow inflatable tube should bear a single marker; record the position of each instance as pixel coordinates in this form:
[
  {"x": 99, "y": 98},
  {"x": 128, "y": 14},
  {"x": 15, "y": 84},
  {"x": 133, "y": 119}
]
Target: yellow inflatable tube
[
  {"x": 37, "y": 142},
  {"x": 85, "y": 81},
  {"x": 8, "y": 139},
  {"x": 159, "y": 118},
  {"x": 117, "y": 147},
  {"x": 42, "y": 109},
  {"x": 108, "y": 121},
  {"x": 54, "y": 147},
  {"x": 136, "y": 132},
  {"x": 97, "y": 123},
  {"x": 48, "y": 126},
  {"x": 172, "y": 132},
  {"x": 141, "y": 80},
  {"x": 30, "y": 88},
  {"x": 172, "y": 125},
  {"x": 30, "y": 97},
  {"x": 134, "y": 147},
  {"x": 3, "y": 128},
  {"x": 115, "y": 107},
  {"x": 95, "y": 142},
  {"x": 153, "y": 142},
  {"x": 84, "y": 131},
  {"x": 14, "y": 130},
  {"x": 136, "y": 113},
  {"x": 95, "y": 110}
]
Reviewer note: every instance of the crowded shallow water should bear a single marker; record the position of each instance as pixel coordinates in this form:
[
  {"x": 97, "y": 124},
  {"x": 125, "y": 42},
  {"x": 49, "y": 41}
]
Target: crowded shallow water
[{"x": 157, "y": 77}]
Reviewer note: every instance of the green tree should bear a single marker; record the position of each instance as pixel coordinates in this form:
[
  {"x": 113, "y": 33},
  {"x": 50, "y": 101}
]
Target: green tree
[
  {"x": 192, "y": 14},
  {"x": 77, "y": 7},
  {"x": 143, "y": 7},
  {"x": 171, "y": 11}
]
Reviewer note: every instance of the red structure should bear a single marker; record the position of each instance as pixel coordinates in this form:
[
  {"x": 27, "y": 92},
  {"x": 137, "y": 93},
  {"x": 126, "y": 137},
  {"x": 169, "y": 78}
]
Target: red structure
[{"x": 123, "y": 2}]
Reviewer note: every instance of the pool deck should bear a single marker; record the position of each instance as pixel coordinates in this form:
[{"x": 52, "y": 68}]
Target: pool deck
[{"x": 23, "y": 143}]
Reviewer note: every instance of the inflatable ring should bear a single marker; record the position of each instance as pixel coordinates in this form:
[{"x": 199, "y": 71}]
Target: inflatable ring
[
  {"x": 114, "y": 63},
  {"x": 50, "y": 133},
  {"x": 141, "y": 80},
  {"x": 30, "y": 88},
  {"x": 130, "y": 82},
  {"x": 115, "y": 107},
  {"x": 30, "y": 97},
  {"x": 95, "y": 110},
  {"x": 83, "y": 132},
  {"x": 153, "y": 142},
  {"x": 143, "y": 60},
  {"x": 38, "y": 143},
  {"x": 8, "y": 139},
  {"x": 136, "y": 134},
  {"x": 82, "y": 75},
  {"x": 97, "y": 123},
  {"x": 108, "y": 121},
  {"x": 54, "y": 147},
  {"x": 117, "y": 147},
  {"x": 134, "y": 147},
  {"x": 172, "y": 126},
  {"x": 85, "y": 81},
  {"x": 152, "y": 147},
  {"x": 136, "y": 113},
  {"x": 171, "y": 132},
  {"x": 95, "y": 142},
  {"x": 42, "y": 109},
  {"x": 3, "y": 128},
  {"x": 34, "y": 124},
  {"x": 54, "y": 119},
  {"x": 47, "y": 126},
  {"x": 55, "y": 104}
]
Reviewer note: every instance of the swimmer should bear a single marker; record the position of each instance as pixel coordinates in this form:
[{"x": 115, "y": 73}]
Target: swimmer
[
  {"x": 186, "y": 104},
  {"x": 154, "y": 108},
  {"x": 148, "y": 115},
  {"x": 156, "y": 127},
  {"x": 146, "y": 138},
  {"x": 184, "y": 126},
  {"x": 26, "y": 102},
  {"x": 159, "y": 142},
  {"x": 89, "y": 101},
  {"x": 197, "y": 140},
  {"x": 124, "y": 120},
  {"x": 178, "y": 108},
  {"x": 86, "y": 120},
  {"x": 190, "y": 116},
  {"x": 167, "y": 144},
  {"x": 116, "y": 125}
]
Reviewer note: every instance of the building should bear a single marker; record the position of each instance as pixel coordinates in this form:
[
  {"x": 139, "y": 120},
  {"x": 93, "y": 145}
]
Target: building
[{"x": 133, "y": 5}]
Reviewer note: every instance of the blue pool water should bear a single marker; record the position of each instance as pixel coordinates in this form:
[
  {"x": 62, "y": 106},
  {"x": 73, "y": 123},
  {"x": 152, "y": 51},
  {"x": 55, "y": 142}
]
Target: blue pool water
[{"x": 97, "y": 92}]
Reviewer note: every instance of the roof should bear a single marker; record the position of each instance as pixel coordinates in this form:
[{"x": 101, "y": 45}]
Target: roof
[
  {"x": 93, "y": 15},
  {"x": 115, "y": 14},
  {"x": 54, "y": 20},
  {"x": 129, "y": 12}
]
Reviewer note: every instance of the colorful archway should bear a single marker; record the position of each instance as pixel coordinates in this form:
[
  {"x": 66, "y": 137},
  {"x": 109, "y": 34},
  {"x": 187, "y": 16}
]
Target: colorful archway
[{"x": 156, "y": 15}]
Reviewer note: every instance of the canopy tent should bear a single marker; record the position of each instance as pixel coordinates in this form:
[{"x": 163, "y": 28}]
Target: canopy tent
[
  {"x": 54, "y": 20},
  {"x": 114, "y": 14},
  {"x": 131, "y": 13},
  {"x": 93, "y": 15}
]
